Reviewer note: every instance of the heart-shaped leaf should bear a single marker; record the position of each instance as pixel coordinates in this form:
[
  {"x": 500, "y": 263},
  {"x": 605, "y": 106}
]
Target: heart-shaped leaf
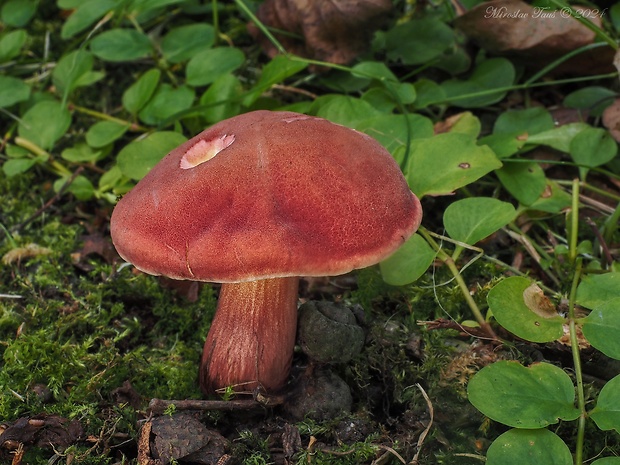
[
  {"x": 12, "y": 91},
  {"x": 140, "y": 92},
  {"x": 166, "y": 102},
  {"x": 121, "y": 45},
  {"x": 103, "y": 133},
  {"x": 472, "y": 219},
  {"x": 345, "y": 110},
  {"x": 11, "y": 44},
  {"x": 524, "y": 180},
  {"x": 182, "y": 43},
  {"x": 85, "y": 15},
  {"x": 529, "y": 447},
  {"x": 441, "y": 164},
  {"x": 474, "y": 92},
  {"x": 74, "y": 70},
  {"x": 607, "y": 461},
  {"x": 528, "y": 121},
  {"x": 518, "y": 310},
  {"x": 138, "y": 158},
  {"x": 606, "y": 414},
  {"x": 394, "y": 131},
  {"x": 206, "y": 66},
  {"x": 592, "y": 147},
  {"x": 418, "y": 41},
  {"x": 558, "y": 138},
  {"x": 274, "y": 72},
  {"x": 523, "y": 397},
  {"x": 597, "y": 289},
  {"x": 602, "y": 327},
  {"x": 408, "y": 263},
  {"x": 593, "y": 99},
  {"x": 221, "y": 99},
  {"x": 45, "y": 123}
]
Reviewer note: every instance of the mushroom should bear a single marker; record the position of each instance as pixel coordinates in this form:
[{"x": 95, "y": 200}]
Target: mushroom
[{"x": 254, "y": 202}]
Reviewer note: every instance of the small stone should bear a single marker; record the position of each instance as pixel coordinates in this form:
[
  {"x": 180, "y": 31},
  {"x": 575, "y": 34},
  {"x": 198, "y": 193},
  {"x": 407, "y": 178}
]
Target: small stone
[
  {"x": 328, "y": 332},
  {"x": 319, "y": 395}
]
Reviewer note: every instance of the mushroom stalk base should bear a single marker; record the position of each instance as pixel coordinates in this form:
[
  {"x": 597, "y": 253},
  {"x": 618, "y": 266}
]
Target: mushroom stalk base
[{"x": 252, "y": 336}]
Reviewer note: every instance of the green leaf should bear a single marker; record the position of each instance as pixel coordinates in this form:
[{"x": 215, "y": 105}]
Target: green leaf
[
  {"x": 140, "y": 92},
  {"x": 80, "y": 153},
  {"x": 558, "y": 138},
  {"x": 110, "y": 179},
  {"x": 11, "y": 44},
  {"x": 602, "y": 327},
  {"x": 504, "y": 145},
  {"x": 45, "y": 123},
  {"x": 408, "y": 263},
  {"x": 182, "y": 43},
  {"x": 68, "y": 4},
  {"x": 554, "y": 199},
  {"x": 527, "y": 121},
  {"x": 607, "y": 461},
  {"x": 342, "y": 109},
  {"x": 18, "y": 13},
  {"x": 418, "y": 41},
  {"x": 428, "y": 92},
  {"x": 206, "y": 66},
  {"x": 592, "y": 147},
  {"x": 593, "y": 99},
  {"x": 222, "y": 99},
  {"x": 146, "y": 5},
  {"x": 12, "y": 91},
  {"x": 166, "y": 102},
  {"x": 525, "y": 181},
  {"x": 103, "y": 133},
  {"x": 394, "y": 131},
  {"x": 521, "y": 308},
  {"x": 380, "y": 98},
  {"x": 138, "y": 158},
  {"x": 373, "y": 70},
  {"x": 472, "y": 219},
  {"x": 490, "y": 74},
  {"x": 595, "y": 290},
  {"x": 529, "y": 447},
  {"x": 86, "y": 14},
  {"x": 16, "y": 166},
  {"x": 80, "y": 187},
  {"x": 73, "y": 70},
  {"x": 532, "y": 397},
  {"x": 275, "y": 72},
  {"x": 441, "y": 164},
  {"x": 606, "y": 414},
  {"x": 466, "y": 123},
  {"x": 121, "y": 45}
]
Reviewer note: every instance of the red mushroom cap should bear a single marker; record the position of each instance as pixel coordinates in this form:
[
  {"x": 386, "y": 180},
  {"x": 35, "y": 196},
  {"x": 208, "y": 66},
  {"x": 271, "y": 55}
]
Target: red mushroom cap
[{"x": 265, "y": 195}]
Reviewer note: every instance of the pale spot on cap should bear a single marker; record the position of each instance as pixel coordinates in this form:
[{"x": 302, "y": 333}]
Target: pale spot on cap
[
  {"x": 292, "y": 119},
  {"x": 205, "y": 150}
]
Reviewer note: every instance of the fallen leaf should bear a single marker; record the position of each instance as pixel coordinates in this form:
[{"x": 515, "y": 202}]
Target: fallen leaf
[
  {"x": 96, "y": 244},
  {"x": 41, "y": 431},
  {"x": 335, "y": 31},
  {"x": 126, "y": 394},
  {"x": 536, "y": 301},
  {"x": 537, "y": 35},
  {"x": 22, "y": 253}
]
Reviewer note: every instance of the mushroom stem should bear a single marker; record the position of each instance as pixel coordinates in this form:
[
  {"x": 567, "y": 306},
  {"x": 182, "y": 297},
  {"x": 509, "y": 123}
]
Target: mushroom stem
[{"x": 252, "y": 336}]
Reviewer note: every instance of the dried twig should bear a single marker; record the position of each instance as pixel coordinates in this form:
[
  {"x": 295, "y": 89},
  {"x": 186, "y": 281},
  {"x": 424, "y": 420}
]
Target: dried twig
[
  {"x": 422, "y": 437},
  {"x": 158, "y": 406}
]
